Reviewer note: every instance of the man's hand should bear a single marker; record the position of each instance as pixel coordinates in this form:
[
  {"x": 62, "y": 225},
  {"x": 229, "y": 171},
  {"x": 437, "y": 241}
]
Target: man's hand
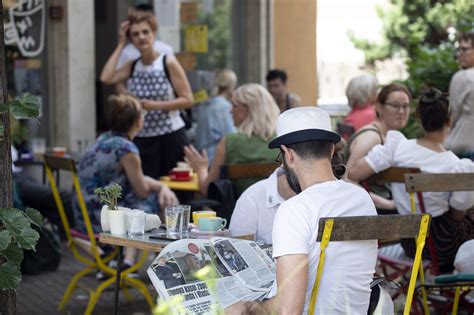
[{"x": 124, "y": 26}]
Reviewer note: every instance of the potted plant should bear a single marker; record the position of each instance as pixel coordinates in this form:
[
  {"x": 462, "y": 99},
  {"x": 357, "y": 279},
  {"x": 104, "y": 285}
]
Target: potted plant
[{"x": 112, "y": 217}]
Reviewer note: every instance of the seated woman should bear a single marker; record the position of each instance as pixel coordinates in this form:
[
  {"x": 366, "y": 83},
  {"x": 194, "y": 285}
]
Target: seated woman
[
  {"x": 114, "y": 158},
  {"x": 361, "y": 93},
  {"x": 450, "y": 226},
  {"x": 255, "y": 113},
  {"x": 392, "y": 109}
]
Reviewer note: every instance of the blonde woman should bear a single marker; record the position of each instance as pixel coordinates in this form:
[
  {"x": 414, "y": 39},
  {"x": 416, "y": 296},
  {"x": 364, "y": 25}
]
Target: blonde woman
[
  {"x": 213, "y": 117},
  {"x": 255, "y": 113}
]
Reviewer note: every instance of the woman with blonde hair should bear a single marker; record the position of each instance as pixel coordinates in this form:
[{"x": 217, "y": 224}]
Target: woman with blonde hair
[
  {"x": 213, "y": 117},
  {"x": 255, "y": 113}
]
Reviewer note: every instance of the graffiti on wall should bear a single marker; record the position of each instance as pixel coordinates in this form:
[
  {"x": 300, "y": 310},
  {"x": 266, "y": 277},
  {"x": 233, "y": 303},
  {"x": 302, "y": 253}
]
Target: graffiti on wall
[{"x": 26, "y": 27}]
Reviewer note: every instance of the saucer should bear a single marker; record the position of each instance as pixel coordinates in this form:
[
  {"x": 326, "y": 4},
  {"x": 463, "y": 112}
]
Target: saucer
[
  {"x": 207, "y": 234},
  {"x": 180, "y": 178}
]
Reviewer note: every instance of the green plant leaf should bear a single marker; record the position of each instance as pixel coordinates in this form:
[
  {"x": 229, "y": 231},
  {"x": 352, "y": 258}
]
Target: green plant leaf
[
  {"x": 34, "y": 216},
  {"x": 14, "y": 254},
  {"x": 5, "y": 239},
  {"x": 10, "y": 276},
  {"x": 27, "y": 238},
  {"x": 14, "y": 220},
  {"x": 25, "y": 106}
]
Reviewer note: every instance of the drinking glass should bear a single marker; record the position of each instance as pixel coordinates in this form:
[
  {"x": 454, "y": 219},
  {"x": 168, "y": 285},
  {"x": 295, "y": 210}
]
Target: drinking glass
[
  {"x": 136, "y": 220},
  {"x": 173, "y": 216}
]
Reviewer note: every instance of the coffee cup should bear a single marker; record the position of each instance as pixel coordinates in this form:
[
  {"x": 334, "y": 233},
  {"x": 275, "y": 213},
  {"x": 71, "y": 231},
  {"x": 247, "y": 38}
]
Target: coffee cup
[
  {"x": 202, "y": 214},
  {"x": 211, "y": 223}
]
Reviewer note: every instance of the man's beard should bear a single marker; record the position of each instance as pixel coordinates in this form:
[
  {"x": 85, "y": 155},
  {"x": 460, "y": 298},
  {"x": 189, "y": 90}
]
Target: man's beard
[{"x": 291, "y": 178}]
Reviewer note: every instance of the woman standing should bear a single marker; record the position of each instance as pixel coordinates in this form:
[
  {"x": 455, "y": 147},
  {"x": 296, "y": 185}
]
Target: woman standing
[{"x": 161, "y": 85}]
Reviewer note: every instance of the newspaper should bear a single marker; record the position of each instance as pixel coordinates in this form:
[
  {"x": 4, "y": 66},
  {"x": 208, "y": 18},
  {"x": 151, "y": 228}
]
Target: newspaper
[{"x": 206, "y": 275}]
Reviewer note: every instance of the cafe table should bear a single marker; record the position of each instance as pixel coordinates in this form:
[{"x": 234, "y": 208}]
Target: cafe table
[
  {"x": 190, "y": 185},
  {"x": 142, "y": 242}
]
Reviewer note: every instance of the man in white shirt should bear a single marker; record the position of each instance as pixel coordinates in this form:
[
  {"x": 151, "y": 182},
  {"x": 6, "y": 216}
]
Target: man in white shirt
[
  {"x": 306, "y": 145},
  {"x": 461, "y": 99},
  {"x": 256, "y": 208}
]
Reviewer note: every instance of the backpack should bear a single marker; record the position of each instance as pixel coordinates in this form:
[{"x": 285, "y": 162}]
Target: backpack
[{"x": 48, "y": 251}]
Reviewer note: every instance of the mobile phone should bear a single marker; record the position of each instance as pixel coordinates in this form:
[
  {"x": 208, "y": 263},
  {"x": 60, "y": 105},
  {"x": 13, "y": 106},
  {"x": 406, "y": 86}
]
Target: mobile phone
[{"x": 168, "y": 237}]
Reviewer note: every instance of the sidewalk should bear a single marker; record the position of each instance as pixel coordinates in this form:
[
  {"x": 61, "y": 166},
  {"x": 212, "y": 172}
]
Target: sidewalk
[{"x": 41, "y": 294}]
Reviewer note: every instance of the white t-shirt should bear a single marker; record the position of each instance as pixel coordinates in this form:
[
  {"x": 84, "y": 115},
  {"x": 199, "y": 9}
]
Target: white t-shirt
[
  {"x": 256, "y": 208},
  {"x": 129, "y": 52},
  {"x": 349, "y": 266},
  {"x": 398, "y": 151}
]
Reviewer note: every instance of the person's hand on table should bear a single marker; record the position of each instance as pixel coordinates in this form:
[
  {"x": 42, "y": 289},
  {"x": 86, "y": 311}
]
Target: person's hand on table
[
  {"x": 167, "y": 197},
  {"x": 197, "y": 161}
]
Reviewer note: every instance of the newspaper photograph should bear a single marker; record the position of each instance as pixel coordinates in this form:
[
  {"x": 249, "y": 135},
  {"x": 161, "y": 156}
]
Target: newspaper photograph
[{"x": 204, "y": 275}]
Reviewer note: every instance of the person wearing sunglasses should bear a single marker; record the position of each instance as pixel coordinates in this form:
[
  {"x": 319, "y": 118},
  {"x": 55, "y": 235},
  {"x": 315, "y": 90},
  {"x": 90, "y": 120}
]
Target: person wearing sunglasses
[{"x": 461, "y": 98}]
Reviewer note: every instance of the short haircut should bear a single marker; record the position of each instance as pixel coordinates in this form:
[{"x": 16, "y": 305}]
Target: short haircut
[
  {"x": 321, "y": 149},
  {"x": 361, "y": 90},
  {"x": 144, "y": 7},
  {"x": 467, "y": 36},
  {"x": 124, "y": 113},
  {"x": 136, "y": 16},
  {"x": 277, "y": 74},
  {"x": 388, "y": 89},
  {"x": 433, "y": 109}
]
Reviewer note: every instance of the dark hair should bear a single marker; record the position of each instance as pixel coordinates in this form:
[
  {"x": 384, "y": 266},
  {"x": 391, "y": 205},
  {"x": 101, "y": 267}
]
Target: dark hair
[
  {"x": 433, "y": 109},
  {"x": 125, "y": 111},
  {"x": 138, "y": 16},
  {"x": 144, "y": 7},
  {"x": 321, "y": 149},
  {"x": 389, "y": 89},
  {"x": 277, "y": 74},
  {"x": 467, "y": 36}
]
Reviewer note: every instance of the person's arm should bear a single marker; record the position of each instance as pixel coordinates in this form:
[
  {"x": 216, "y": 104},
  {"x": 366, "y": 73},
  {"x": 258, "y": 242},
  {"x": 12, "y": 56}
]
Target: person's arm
[
  {"x": 110, "y": 75},
  {"x": 360, "y": 170},
  {"x": 295, "y": 100},
  {"x": 292, "y": 280},
  {"x": 200, "y": 164},
  {"x": 359, "y": 148},
  {"x": 142, "y": 185},
  {"x": 181, "y": 86}
]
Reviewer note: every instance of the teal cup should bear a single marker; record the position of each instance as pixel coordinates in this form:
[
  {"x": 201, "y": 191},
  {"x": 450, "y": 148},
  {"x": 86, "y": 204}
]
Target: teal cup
[{"x": 211, "y": 223}]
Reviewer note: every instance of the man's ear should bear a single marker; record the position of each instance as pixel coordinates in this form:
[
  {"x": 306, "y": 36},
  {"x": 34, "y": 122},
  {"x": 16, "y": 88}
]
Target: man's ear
[{"x": 289, "y": 154}]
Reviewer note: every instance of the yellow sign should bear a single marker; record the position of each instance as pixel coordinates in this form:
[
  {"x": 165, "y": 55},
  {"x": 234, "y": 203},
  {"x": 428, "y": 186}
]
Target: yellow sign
[
  {"x": 195, "y": 38},
  {"x": 200, "y": 96}
]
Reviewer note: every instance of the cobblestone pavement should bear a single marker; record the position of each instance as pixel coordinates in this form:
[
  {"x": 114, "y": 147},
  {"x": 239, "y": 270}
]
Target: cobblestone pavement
[{"x": 41, "y": 294}]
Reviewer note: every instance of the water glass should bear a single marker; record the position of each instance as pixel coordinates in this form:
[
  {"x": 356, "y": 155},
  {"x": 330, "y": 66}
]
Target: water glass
[
  {"x": 38, "y": 145},
  {"x": 177, "y": 219},
  {"x": 186, "y": 217},
  {"x": 136, "y": 220}
]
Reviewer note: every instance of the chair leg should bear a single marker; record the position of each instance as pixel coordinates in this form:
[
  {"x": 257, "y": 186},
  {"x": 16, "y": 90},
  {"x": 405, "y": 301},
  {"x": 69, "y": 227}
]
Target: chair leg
[
  {"x": 96, "y": 294},
  {"x": 72, "y": 285},
  {"x": 456, "y": 301},
  {"x": 140, "y": 286}
]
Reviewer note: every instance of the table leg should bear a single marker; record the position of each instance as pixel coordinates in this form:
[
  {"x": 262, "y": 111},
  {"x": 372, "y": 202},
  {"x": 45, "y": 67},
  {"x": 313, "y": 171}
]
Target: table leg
[{"x": 117, "y": 278}]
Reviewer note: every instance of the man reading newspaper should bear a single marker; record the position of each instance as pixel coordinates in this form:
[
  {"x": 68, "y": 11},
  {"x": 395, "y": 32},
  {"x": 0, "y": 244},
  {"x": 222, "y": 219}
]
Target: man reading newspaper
[{"x": 306, "y": 145}]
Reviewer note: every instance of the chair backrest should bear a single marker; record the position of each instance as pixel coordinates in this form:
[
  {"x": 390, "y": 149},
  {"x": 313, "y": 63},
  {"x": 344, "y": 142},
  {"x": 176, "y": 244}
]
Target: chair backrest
[
  {"x": 381, "y": 227},
  {"x": 64, "y": 163},
  {"x": 439, "y": 182},
  {"x": 248, "y": 170},
  {"x": 393, "y": 175}
]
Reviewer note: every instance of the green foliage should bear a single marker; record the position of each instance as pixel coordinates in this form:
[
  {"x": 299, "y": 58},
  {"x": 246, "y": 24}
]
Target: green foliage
[
  {"x": 109, "y": 195},
  {"x": 218, "y": 23},
  {"x": 16, "y": 235},
  {"x": 25, "y": 106},
  {"x": 418, "y": 30}
]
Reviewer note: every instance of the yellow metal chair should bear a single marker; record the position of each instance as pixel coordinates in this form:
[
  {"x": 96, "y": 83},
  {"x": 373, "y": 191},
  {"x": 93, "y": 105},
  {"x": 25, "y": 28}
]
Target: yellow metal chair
[
  {"x": 381, "y": 227},
  {"x": 96, "y": 262},
  {"x": 419, "y": 183}
]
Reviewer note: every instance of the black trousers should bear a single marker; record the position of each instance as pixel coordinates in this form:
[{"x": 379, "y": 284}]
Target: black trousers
[{"x": 161, "y": 153}]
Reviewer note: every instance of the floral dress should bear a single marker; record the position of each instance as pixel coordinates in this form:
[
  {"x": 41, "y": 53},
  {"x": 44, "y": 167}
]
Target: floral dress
[{"x": 100, "y": 167}]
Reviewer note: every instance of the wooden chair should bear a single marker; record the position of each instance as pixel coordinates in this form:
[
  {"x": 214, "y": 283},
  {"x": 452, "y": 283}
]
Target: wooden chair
[
  {"x": 76, "y": 240},
  {"x": 248, "y": 171},
  {"x": 381, "y": 227},
  {"x": 419, "y": 183}
]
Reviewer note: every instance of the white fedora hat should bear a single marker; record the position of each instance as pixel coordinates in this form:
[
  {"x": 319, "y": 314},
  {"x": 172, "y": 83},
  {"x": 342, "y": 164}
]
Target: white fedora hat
[{"x": 302, "y": 124}]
